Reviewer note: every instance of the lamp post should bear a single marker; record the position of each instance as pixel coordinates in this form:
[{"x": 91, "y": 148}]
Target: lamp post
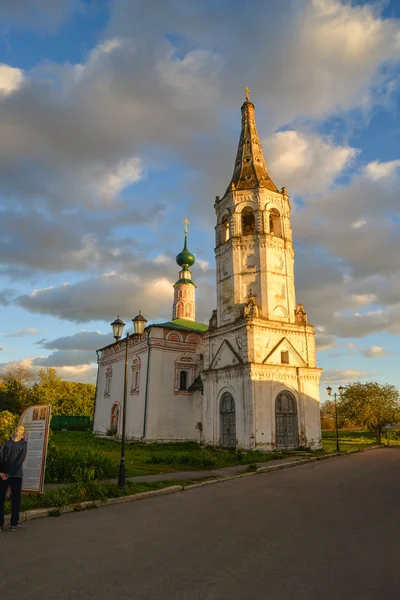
[
  {"x": 118, "y": 325},
  {"x": 329, "y": 390}
]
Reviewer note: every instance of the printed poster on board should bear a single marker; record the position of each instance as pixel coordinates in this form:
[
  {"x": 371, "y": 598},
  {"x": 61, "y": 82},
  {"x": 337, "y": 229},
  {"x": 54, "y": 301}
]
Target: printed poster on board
[{"x": 36, "y": 420}]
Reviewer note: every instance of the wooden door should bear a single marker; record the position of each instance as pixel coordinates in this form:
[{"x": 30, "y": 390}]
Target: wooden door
[{"x": 286, "y": 421}]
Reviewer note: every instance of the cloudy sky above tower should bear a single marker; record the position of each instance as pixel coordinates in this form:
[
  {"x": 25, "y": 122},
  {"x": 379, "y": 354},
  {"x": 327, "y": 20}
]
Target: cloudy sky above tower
[{"x": 120, "y": 118}]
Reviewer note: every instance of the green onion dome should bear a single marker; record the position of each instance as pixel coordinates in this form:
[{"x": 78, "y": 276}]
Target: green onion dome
[{"x": 185, "y": 258}]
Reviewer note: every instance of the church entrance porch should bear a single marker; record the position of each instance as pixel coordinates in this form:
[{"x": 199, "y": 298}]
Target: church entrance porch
[
  {"x": 286, "y": 421},
  {"x": 228, "y": 421}
]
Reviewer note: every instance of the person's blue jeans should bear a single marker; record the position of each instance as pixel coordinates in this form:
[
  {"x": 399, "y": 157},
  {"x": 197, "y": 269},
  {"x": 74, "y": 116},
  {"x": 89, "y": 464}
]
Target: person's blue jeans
[{"x": 15, "y": 483}]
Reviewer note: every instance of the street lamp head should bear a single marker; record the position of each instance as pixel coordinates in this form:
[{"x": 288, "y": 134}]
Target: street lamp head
[
  {"x": 139, "y": 323},
  {"x": 341, "y": 390},
  {"x": 329, "y": 390},
  {"x": 118, "y": 328}
]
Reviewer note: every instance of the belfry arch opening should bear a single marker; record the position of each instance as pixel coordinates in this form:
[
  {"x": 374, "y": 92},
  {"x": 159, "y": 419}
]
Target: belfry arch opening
[
  {"x": 275, "y": 223},
  {"x": 224, "y": 229},
  {"x": 248, "y": 222}
]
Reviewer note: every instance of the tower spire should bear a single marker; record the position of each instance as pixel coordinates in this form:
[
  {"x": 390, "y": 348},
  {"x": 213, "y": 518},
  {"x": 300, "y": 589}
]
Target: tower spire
[
  {"x": 250, "y": 170},
  {"x": 184, "y": 306}
]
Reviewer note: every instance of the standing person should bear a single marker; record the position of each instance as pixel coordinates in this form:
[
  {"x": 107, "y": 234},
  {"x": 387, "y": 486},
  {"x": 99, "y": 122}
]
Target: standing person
[{"x": 13, "y": 454}]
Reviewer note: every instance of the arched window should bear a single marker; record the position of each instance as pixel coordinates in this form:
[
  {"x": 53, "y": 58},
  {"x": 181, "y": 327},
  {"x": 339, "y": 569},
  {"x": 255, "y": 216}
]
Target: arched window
[
  {"x": 107, "y": 388},
  {"x": 188, "y": 311},
  {"x": 183, "y": 376},
  {"x": 275, "y": 226},
  {"x": 248, "y": 222},
  {"x": 180, "y": 310},
  {"x": 114, "y": 418},
  {"x": 224, "y": 229}
]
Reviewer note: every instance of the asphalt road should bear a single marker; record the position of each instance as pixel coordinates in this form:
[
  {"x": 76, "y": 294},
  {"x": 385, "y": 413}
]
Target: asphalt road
[{"x": 327, "y": 530}]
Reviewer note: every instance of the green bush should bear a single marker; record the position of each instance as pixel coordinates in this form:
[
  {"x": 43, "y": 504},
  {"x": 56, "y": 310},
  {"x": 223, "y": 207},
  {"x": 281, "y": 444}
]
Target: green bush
[
  {"x": 63, "y": 465},
  {"x": 7, "y": 423}
]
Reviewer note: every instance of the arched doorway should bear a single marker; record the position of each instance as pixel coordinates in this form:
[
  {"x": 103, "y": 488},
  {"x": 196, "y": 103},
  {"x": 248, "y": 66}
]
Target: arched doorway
[
  {"x": 228, "y": 421},
  {"x": 286, "y": 421}
]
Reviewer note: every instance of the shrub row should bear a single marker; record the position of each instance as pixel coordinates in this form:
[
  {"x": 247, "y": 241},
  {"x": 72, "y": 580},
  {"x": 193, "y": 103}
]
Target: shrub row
[{"x": 62, "y": 464}]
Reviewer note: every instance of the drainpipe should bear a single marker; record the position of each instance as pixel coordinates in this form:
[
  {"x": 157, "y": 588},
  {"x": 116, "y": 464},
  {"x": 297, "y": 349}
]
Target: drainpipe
[
  {"x": 97, "y": 387},
  {"x": 146, "y": 398}
]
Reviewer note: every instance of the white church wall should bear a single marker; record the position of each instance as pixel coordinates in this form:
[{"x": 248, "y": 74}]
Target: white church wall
[
  {"x": 135, "y": 402},
  {"x": 215, "y": 385},
  {"x": 174, "y": 414}
]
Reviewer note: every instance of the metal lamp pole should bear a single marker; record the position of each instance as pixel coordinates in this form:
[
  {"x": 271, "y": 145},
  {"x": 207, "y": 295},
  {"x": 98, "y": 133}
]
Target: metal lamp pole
[
  {"x": 139, "y": 323},
  {"x": 329, "y": 390}
]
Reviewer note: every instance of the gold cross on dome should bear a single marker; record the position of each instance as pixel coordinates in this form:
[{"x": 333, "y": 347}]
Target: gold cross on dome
[
  {"x": 246, "y": 89},
  {"x": 186, "y": 223}
]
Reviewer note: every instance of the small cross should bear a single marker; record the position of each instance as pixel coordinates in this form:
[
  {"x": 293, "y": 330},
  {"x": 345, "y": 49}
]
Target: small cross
[
  {"x": 246, "y": 89},
  {"x": 186, "y": 222}
]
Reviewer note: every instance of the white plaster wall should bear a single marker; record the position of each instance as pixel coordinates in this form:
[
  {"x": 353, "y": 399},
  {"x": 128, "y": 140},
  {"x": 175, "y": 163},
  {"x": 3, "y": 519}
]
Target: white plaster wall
[
  {"x": 170, "y": 416},
  {"x": 255, "y": 385},
  {"x": 215, "y": 385},
  {"x": 135, "y": 403}
]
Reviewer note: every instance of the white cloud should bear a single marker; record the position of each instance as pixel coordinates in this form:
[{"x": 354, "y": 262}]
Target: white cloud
[
  {"x": 193, "y": 78},
  {"x": 363, "y": 299},
  {"x": 377, "y": 170},
  {"x": 359, "y": 223},
  {"x": 11, "y": 79},
  {"x": 82, "y": 373},
  {"x": 306, "y": 163},
  {"x": 375, "y": 351},
  {"x": 85, "y": 373},
  {"x": 338, "y": 376},
  {"x": 22, "y": 332},
  {"x": 108, "y": 182},
  {"x": 323, "y": 339},
  {"x": 83, "y": 340},
  {"x": 203, "y": 264},
  {"x": 162, "y": 259}
]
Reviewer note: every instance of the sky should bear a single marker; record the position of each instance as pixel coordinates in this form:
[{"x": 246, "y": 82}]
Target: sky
[{"x": 120, "y": 118}]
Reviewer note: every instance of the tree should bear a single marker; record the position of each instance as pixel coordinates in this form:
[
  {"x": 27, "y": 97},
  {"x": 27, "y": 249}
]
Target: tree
[
  {"x": 371, "y": 405},
  {"x": 66, "y": 397},
  {"x": 7, "y": 423},
  {"x": 15, "y": 389},
  {"x": 327, "y": 413}
]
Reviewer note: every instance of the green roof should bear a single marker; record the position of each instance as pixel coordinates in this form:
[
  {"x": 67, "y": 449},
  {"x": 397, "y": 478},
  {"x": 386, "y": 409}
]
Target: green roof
[
  {"x": 180, "y": 281},
  {"x": 183, "y": 325}
]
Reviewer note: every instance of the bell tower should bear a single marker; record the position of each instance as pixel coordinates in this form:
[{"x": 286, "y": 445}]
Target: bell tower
[
  {"x": 260, "y": 349},
  {"x": 254, "y": 252}
]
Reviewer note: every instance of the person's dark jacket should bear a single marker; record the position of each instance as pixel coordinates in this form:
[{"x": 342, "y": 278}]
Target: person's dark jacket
[{"x": 12, "y": 456}]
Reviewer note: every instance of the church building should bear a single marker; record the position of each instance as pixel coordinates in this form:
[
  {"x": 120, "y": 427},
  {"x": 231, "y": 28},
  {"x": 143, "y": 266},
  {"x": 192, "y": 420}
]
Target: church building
[{"x": 249, "y": 378}]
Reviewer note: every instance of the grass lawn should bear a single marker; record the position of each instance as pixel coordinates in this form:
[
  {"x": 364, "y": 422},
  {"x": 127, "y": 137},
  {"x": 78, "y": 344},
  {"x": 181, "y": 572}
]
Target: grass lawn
[
  {"x": 147, "y": 459},
  {"x": 351, "y": 440}
]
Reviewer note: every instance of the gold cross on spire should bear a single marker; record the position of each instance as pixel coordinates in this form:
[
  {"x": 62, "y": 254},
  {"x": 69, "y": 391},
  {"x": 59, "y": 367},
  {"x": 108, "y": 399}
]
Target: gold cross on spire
[
  {"x": 186, "y": 222},
  {"x": 246, "y": 89}
]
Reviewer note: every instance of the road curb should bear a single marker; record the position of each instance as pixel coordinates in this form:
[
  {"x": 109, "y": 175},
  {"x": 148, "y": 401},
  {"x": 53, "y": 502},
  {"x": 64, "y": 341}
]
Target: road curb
[{"x": 39, "y": 513}]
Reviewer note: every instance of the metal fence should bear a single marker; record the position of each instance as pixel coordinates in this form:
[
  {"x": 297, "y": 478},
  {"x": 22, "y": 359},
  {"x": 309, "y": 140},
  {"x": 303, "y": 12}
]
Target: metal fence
[{"x": 75, "y": 423}]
